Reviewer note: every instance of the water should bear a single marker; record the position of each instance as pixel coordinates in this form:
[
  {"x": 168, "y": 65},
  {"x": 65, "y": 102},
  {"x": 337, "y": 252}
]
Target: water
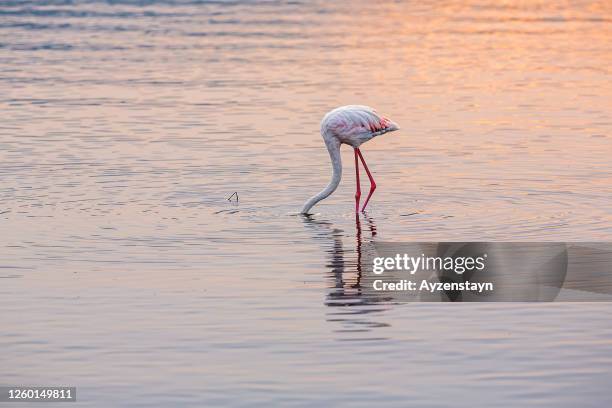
[{"x": 126, "y": 125}]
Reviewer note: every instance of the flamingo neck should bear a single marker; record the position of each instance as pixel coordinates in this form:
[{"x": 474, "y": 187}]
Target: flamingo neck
[{"x": 333, "y": 147}]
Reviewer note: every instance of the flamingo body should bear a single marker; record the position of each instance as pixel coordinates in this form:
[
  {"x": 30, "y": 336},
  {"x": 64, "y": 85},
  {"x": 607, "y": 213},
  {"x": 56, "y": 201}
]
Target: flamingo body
[
  {"x": 352, "y": 125},
  {"x": 355, "y": 124}
]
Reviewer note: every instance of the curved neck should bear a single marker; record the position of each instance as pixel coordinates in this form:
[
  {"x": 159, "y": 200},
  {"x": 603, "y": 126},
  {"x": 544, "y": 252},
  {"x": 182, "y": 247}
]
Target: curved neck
[{"x": 333, "y": 147}]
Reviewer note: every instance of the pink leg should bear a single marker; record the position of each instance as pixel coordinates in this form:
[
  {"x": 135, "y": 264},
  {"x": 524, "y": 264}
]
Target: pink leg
[
  {"x": 358, "y": 192},
  {"x": 372, "y": 183}
]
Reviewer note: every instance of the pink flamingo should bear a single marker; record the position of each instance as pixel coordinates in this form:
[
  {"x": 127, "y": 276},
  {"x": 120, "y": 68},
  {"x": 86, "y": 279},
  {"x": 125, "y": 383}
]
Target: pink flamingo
[{"x": 352, "y": 125}]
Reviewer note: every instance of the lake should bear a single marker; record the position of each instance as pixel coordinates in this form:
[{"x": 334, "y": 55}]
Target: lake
[{"x": 127, "y": 273}]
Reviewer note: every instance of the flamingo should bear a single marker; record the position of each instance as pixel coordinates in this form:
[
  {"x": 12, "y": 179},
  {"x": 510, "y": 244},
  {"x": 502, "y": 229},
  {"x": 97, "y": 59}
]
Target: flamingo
[{"x": 352, "y": 125}]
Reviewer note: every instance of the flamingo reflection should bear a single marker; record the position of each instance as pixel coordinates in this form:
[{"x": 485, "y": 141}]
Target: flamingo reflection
[{"x": 351, "y": 308}]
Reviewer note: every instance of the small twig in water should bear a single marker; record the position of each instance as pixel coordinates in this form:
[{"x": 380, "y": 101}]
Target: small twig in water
[{"x": 235, "y": 194}]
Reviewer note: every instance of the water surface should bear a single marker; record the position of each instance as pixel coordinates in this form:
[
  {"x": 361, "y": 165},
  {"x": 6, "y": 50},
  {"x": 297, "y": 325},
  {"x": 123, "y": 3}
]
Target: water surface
[{"x": 126, "y": 125}]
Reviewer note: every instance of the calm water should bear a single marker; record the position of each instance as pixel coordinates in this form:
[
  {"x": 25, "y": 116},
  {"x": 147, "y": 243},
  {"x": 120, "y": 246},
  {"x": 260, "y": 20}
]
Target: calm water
[{"x": 126, "y": 125}]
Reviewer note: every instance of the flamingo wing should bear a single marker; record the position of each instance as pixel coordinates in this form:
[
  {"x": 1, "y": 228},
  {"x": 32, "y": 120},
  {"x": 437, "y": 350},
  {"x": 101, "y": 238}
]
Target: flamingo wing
[{"x": 355, "y": 124}]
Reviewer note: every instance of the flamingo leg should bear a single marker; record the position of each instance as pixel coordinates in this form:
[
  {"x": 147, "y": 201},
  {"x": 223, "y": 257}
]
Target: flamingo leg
[
  {"x": 372, "y": 183},
  {"x": 358, "y": 192}
]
